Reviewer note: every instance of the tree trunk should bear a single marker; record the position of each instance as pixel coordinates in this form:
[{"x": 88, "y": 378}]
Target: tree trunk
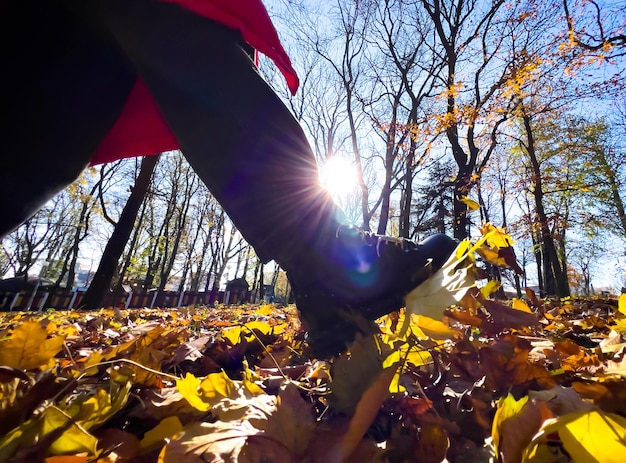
[
  {"x": 101, "y": 282},
  {"x": 461, "y": 189},
  {"x": 555, "y": 277},
  {"x": 131, "y": 249}
]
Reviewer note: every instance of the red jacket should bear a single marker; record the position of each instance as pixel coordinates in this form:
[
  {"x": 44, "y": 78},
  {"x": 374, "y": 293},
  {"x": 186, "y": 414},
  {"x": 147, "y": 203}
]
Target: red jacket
[{"x": 141, "y": 129}]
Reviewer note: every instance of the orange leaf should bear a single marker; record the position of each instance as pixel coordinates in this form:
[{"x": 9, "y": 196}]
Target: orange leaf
[
  {"x": 67, "y": 459},
  {"x": 593, "y": 391}
]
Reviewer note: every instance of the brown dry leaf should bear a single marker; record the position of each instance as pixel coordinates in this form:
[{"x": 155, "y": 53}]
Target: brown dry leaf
[
  {"x": 514, "y": 425},
  {"x": 68, "y": 459},
  {"x": 224, "y": 442},
  {"x": 567, "y": 348},
  {"x": 293, "y": 422},
  {"x": 121, "y": 443},
  {"x": 533, "y": 299},
  {"x": 561, "y": 400},
  {"x": 366, "y": 410},
  {"x": 508, "y": 255},
  {"x": 506, "y": 363},
  {"x": 432, "y": 445},
  {"x": 503, "y": 317},
  {"x": 594, "y": 391},
  {"x": 250, "y": 429},
  {"x": 464, "y": 317}
]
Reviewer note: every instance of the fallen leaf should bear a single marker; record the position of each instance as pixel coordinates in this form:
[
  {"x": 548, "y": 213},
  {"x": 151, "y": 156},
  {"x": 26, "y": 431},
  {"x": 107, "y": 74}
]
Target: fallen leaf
[
  {"x": 28, "y": 347},
  {"x": 514, "y": 425},
  {"x": 155, "y": 437},
  {"x": 432, "y": 445},
  {"x": 120, "y": 443},
  {"x": 621, "y": 304},
  {"x": 224, "y": 442},
  {"x": 366, "y": 410},
  {"x": 589, "y": 436},
  {"x": 446, "y": 287}
]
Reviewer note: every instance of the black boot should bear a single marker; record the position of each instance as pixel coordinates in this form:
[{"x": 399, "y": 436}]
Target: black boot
[
  {"x": 358, "y": 277},
  {"x": 254, "y": 157}
]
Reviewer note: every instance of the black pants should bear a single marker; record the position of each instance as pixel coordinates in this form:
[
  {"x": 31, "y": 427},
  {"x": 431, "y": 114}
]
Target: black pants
[{"x": 69, "y": 70}]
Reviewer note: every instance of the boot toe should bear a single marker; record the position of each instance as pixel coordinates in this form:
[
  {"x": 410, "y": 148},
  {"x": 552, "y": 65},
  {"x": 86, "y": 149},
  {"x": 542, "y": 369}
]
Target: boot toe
[{"x": 371, "y": 280}]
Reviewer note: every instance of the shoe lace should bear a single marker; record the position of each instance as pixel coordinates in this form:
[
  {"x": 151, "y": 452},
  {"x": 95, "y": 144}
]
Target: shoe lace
[{"x": 379, "y": 240}]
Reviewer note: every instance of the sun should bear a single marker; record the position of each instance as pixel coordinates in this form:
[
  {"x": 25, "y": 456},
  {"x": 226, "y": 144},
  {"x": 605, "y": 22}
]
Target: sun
[{"x": 339, "y": 177}]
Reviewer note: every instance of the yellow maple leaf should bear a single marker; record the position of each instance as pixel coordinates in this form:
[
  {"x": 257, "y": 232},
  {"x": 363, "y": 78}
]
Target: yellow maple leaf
[
  {"x": 29, "y": 347},
  {"x": 91, "y": 411},
  {"x": 591, "y": 436},
  {"x": 189, "y": 388},
  {"x": 470, "y": 203},
  {"x": 508, "y": 408},
  {"x": 619, "y": 326},
  {"x": 491, "y": 287},
  {"x": 203, "y": 394},
  {"x": 621, "y": 304},
  {"x": 266, "y": 310},
  {"x": 435, "y": 329},
  {"x": 496, "y": 236},
  {"x": 514, "y": 425},
  {"x": 518, "y": 304},
  {"x": 156, "y": 437},
  {"x": 75, "y": 439}
]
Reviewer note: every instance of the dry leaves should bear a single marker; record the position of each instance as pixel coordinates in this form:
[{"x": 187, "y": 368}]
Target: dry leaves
[{"x": 514, "y": 381}]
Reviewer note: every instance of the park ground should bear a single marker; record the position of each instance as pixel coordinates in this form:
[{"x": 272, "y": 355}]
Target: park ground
[{"x": 522, "y": 380}]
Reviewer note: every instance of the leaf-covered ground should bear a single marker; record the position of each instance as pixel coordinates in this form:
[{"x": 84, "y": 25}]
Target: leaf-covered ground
[{"x": 539, "y": 381}]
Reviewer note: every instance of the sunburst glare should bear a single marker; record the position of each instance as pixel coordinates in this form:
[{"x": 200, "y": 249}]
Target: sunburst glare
[{"x": 339, "y": 177}]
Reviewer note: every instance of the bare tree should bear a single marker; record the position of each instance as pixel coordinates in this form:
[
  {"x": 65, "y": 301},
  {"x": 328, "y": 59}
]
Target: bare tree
[
  {"x": 597, "y": 27},
  {"x": 342, "y": 48},
  {"x": 115, "y": 246},
  {"x": 402, "y": 74},
  {"x": 475, "y": 39}
]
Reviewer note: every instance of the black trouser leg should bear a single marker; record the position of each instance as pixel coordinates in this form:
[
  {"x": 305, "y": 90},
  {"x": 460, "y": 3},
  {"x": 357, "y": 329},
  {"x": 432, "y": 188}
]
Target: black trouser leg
[
  {"x": 61, "y": 89},
  {"x": 233, "y": 129}
]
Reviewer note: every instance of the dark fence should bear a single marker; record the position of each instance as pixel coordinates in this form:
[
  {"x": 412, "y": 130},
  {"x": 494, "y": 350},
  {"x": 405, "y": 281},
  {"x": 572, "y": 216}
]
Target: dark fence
[{"x": 65, "y": 300}]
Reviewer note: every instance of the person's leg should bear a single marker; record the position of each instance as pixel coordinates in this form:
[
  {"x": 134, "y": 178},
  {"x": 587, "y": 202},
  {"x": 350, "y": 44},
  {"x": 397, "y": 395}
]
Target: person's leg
[
  {"x": 233, "y": 129},
  {"x": 254, "y": 157},
  {"x": 61, "y": 89}
]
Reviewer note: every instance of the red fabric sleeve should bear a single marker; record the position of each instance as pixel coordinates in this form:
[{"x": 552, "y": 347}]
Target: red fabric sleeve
[
  {"x": 141, "y": 129},
  {"x": 251, "y": 19}
]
